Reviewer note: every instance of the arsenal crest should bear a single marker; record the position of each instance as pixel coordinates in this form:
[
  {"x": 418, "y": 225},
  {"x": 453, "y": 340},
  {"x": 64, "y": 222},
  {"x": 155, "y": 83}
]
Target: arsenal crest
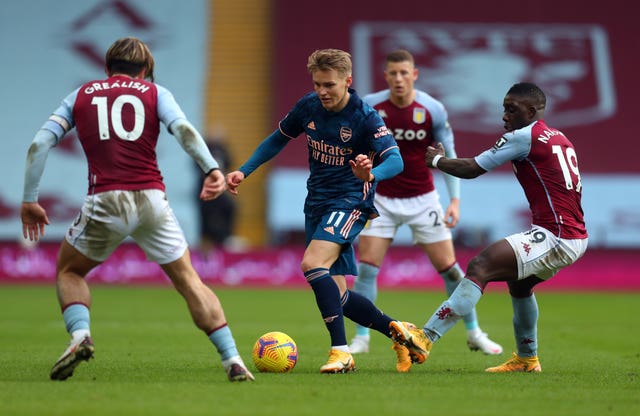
[{"x": 345, "y": 134}]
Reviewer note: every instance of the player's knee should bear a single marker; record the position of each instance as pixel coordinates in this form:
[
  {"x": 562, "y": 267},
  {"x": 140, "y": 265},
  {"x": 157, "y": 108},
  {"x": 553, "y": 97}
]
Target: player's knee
[
  {"x": 367, "y": 272},
  {"x": 307, "y": 265},
  {"x": 478, "y": 268},
  {"x": 453, "y": 273}
]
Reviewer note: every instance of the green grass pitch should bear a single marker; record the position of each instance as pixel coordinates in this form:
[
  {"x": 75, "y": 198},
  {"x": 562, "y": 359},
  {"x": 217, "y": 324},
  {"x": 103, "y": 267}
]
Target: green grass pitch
[{"x": 151, "y": 360}]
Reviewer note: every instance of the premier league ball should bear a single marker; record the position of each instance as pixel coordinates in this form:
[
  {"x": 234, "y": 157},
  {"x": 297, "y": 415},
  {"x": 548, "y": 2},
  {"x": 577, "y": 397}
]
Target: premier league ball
[{"x": 275, "y": 352}]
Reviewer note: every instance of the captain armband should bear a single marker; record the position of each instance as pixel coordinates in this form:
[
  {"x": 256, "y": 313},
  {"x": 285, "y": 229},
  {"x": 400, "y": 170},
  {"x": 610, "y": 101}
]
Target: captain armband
[{"x": 61, "y": 121}]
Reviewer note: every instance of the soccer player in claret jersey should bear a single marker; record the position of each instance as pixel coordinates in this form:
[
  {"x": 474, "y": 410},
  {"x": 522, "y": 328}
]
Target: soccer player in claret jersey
[
  {"x": 344, "y": 136},
  {"x": 417, "y": 120},
  {"x": 118, "y": 121},
  {"x": 546, "y": 165}
]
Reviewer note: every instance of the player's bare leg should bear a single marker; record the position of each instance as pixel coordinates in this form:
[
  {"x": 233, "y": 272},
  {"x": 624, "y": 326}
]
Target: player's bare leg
[
  {"x": 207, "y": 314},
  {"x": 75, "y": 300}
]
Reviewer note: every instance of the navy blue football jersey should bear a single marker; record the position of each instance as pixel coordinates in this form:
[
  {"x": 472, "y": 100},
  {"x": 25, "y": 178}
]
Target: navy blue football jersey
[{"x": 333, "y": 139}]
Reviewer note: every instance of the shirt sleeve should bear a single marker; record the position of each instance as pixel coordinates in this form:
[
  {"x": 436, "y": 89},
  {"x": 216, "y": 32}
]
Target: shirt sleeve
[
  {"x": 292, "y": 125},
  {"x": 168, "y": 108},
  {"x": 385, "y": 146},
  {"x": 43, "y": 141},
  {"x": 391, "y": 165},
  {"x": 270, "y": 146},
  {"x": 442, "y": 133},
  {"x": 49, "y": 135},
  {"x": 193, "y": 143},
  {"x": 61, "y": 120},
  {"x": 513, "y": 145}
]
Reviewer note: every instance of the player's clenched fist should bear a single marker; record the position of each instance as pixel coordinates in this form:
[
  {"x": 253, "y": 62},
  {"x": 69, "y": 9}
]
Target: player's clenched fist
[
  {"x": 361, "y": 167},
  {"x": 233, "y": 181}
]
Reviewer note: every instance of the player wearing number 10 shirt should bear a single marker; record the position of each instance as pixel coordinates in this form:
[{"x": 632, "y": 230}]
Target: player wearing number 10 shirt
[
  {"x": 117, "y": 120},
  {"x": 546, "y": 165}
]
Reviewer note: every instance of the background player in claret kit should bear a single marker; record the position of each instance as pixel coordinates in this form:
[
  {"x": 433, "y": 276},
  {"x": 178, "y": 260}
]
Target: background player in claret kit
[
  {"x": 343, "y": 135},
  {"x": 546, "y": 165},
  {"x": 417, "y": 120},
  {"x": 118, "y": 121}
]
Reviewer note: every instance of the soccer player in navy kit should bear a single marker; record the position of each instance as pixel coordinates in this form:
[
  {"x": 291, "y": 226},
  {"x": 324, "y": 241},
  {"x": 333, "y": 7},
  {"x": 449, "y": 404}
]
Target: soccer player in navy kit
[
  {"x": 417, "y": 120},
  {"x": 118, "y": 121},
  {"x": 344, "y": 137},
  {"x": 546, "y": 165}
]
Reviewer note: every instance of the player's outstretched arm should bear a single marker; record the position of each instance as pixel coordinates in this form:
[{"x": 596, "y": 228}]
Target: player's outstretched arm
[
  {"x": 33, "y": 215},
  {"x": 266, "y": 150},
  {"x": 466, "y": 168},
  {"x": 193, "y": 143}
]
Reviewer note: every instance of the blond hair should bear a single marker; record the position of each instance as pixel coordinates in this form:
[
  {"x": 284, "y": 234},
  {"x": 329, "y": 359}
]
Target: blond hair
[
  {"x": 327, "y": 59},
  {"x": 130, "y": 56}
]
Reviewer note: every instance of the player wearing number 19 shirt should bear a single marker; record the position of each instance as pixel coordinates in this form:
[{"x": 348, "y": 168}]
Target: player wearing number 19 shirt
[
  {"x": 343, "y": 136},
  {"x": 546, "y": 165},
  {"x": 117, "y": 120},
  {"x": 417, "y": 121}
]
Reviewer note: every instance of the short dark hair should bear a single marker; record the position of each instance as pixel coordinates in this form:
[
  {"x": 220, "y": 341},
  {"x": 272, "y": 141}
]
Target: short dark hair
[
  {"x": 400, "y": 55},
  {"x": 530, "y": 90}
]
